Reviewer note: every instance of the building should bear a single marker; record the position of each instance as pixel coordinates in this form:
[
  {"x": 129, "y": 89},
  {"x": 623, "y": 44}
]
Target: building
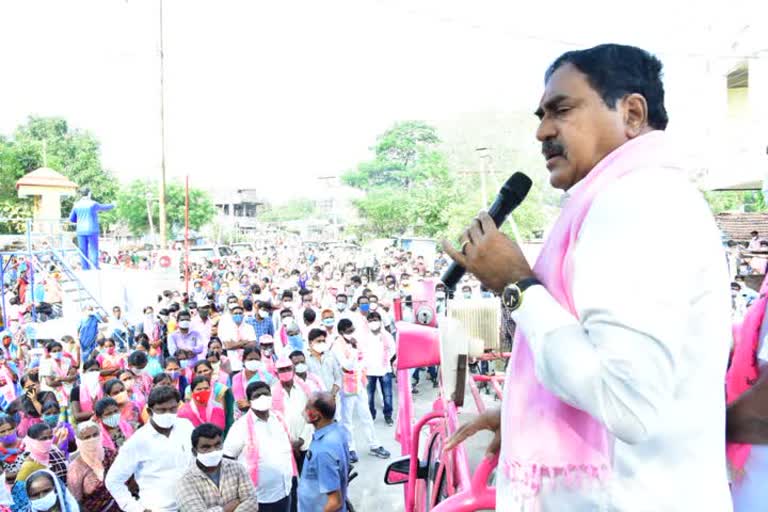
[{"x": 238, "y": 208}]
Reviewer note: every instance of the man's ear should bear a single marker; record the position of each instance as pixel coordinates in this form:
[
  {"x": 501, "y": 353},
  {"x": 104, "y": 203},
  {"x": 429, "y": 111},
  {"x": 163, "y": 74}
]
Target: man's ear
[{"x": 635, "y": 114}]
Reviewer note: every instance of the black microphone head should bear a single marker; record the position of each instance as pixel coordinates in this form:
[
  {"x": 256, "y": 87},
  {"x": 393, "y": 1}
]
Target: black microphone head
[{"x": 516, "y": 188}]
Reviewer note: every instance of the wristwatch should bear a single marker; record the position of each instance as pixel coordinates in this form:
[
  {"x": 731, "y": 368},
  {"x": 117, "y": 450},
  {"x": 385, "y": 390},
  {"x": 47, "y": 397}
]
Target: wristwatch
[{"x": 512, "y": 296}]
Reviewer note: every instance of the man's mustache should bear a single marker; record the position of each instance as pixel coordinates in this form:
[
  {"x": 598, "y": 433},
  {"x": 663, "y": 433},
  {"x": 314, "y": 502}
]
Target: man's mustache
[{"x": 551, "y": 147}]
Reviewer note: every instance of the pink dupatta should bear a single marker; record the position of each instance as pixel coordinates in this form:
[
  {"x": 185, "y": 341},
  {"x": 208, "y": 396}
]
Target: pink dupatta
[
  {"x": 106, "y": 439},
  {"x": 744, "y": 370},
  {"x": 252, "y": 446},
  {"x": 278, "y": 393},
  {"x": 542, "y": 436}
]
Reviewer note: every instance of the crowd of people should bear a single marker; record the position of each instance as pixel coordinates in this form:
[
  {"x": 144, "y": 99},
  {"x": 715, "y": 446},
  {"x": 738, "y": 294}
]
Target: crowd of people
[{"x": 266, "y": 359}]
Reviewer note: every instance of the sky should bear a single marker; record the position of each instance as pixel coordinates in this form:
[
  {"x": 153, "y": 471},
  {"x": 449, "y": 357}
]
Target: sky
[{"x": 271, "y": 95}]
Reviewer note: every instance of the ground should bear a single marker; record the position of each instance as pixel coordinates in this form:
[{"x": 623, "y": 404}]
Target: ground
[{"x": 368, "y": 492}]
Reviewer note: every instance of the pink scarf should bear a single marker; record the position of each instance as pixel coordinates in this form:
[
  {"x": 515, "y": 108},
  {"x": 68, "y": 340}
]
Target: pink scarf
[
  {"x": 542, "y": 435},
  {"x": 252, "y": 446},
  {"x": 744, "y": 370},
  {"x": 86, "y": 400},
  {"x": 207, "y": 415},
  {"x": 39, "y": 450},
  {"x": 313, "y": 382},
  {"x": 9, "y": 389},
  {"x": 106, "y": 439}
]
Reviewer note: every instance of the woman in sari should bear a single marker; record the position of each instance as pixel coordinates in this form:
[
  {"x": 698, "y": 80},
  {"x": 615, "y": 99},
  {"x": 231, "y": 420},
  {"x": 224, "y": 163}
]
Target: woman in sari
[
  {"x": 134, "y": 388},
  {"x": 221, "y": 393},
  {"x": 114, "y": 429},
  {"x": 39, "y": 453},
  {"x": 87, "y": 393},
  {"x": 11, "y": 448},
  {"x": 48, "y": 494},
  {"x": 173, "y": 370},
  {"x": 57, "y": 374},
  {"x": 222, "y": 370},
  {"x": 154, "y": 354},
  {"x": 29, "y": 405},
  {"x": 85, "y": 478},
  {"x": 63, "y": 433},
  {"x": 202, "y": 408},
  {"x": 129, "y": 411},
  {"x": 253, "y": 371}
]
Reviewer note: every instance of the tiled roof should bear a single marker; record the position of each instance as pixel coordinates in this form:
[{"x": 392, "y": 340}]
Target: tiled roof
[
  {"x": 45, "y": 177},
  {"x": 737, "y": 226}
]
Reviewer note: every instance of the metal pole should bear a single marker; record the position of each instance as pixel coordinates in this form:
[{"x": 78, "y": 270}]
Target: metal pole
[
  {"x": 149, "y": 216},
  {"x": 163, "y": 225},
  {"x": 2, "y": 289},
  {"x": 30, "y": 270},
  {"x": 186, "y": 235}
]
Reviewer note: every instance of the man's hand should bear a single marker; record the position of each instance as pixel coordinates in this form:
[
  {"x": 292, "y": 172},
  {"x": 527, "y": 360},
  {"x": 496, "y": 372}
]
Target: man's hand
[
  {"x": 232, "y": 505},
  {"x": 243, "y": 404},
  {"x": 489, "y": 254},
  {"x": 489, "y": 420},
  {"x": 297, "y": 444}
]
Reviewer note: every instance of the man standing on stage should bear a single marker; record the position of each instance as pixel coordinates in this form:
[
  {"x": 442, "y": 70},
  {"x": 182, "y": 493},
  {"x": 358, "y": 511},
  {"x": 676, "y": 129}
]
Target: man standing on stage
[
  {"x": 614, "y": 397},
  {"x": 85, "y": 215}
]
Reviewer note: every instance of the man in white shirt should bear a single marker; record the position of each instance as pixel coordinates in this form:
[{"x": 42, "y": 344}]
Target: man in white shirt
[
  {"x": 260, "y": 441},
  {"x": 643, "y": 370},
  {"x": 378, "y": 351},
  {"x": 323, "y": 363},
  {"x": 156, "y": 455},
  {"x": 235, "y": 334},
  {"x": 754, "y": 243}
]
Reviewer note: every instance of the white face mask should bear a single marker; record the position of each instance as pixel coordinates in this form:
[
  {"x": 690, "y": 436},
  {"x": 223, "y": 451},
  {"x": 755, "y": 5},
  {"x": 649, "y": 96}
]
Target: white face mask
[
  {"x": 253, "y": 365},
  {"x": 287, "y": 321},
  {"x": 301, "y": 368},
  {"x": 263, "y": 314},
  {"x": 91, "y": 382},
  {"x": 165, "y": 420},
  {"x": 341, "y": 306},
  {"x": 261, "y": 404},
  {"x": 320, "y": 348},
  {"x": 210, "y": 459},
  {"x": 184, "y": 324},
  {"x": 44, "y": 503},
  {"x": 374, "y": 306},
  {"x": 375, "y": 326}
]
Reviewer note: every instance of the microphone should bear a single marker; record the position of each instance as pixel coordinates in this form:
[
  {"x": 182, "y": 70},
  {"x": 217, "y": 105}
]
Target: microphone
[{"x": 510, "y": 196}]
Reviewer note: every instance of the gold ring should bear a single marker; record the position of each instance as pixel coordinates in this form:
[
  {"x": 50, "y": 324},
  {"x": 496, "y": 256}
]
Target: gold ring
[{"x": 464, "y": 246}]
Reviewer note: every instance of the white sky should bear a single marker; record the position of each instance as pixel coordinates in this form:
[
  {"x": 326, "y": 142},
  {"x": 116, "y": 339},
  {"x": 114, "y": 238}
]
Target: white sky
[{"x": 273, "y": 94}]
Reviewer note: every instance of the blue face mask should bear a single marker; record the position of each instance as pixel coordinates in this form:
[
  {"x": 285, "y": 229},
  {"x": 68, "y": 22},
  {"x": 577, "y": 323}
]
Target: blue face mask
[
  {"x": 328, "y": 322},
  {"x": 184, "y": 363},
  {"x": 364, "y": 308},
  {"x": 238, "y": 319},
  {"x": 51, "y": 419}
]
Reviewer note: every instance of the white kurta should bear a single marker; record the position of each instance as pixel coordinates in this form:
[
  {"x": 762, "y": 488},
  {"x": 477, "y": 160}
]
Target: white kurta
[{"x": 645, "y": 357}]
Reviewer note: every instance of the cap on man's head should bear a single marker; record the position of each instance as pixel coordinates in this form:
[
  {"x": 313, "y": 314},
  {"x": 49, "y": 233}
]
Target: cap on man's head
[
  {"x": 283, "y": 362},
  {"x": 266, "y": 338}
]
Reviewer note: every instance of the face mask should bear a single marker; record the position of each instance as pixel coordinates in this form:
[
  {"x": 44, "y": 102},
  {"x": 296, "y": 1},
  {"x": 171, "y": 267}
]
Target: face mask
[
  {"x": 347, "y": 337},
  {"x": 202, "y": 396},
  {"x": 112, "y": 420},
  {"x": 203, "y": 314},
  {"x": 328, "y": 322},
  {"x": 301, "y": 368},
  {"x": 287, "y": 303},
  {"x": 164, "y": 318},
  {"x": 253, "y": 365},
  {"x": 51, "y": 419},
  {"x": 285, "y": 376},
  {"x": 198, "y": 288},
  {"x": 375, "y": 326},
  {"x": 184, "y": 324},
  {"x": 166, "y": 420},
  {"x": 263, "y": 314},
  {"x": 91, "y": 380},
  {"x": 130, "y": 382},
  {"x": 149, "y": 316},
  {"x": 210, "y": 459},
  {"x": 287, "y": 321},
  {"x": 37, "y": 447},
  {"x": 364, "y": 308},
  {"x": 467, "y": 295},
  {"x": 216, "y": 366},
  {"x": 266, "y": 350},
  {"x": 261, "y": 404},
  {"x": 121, "y": 398},
  {"x": 57, "y": 356},
  {"x": 173, "y": 374},
  {"x": 320, "y": 348},
  {"x": 440, "y": 295},
  {"x": 45, "y": 503},
  {"x": 184, "y": 363},
  {"x": 374, "y": 306},
  {"x": 341, "y": 306},
  {"x": 238, "y": 319}
]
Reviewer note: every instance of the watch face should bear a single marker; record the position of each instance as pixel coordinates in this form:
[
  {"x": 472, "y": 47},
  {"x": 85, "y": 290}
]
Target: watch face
[{"x": 512, "y": 296}]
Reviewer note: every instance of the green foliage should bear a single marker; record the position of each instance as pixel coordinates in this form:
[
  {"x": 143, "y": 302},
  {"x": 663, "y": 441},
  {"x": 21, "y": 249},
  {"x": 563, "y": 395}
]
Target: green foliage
[
  {"x": 294, "y": 209},
  {"x": 411, "y": 190},
  {"x": 132, "y": 206},
  {"x": 50, "y": 141},
  {"x": 16, "y": 211},
  {"x": 736, "y": 201}
]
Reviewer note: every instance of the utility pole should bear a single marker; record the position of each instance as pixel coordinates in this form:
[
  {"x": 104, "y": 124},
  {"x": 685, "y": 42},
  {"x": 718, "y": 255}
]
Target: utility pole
[
  {"x": 485, "y": 156},
  {"x": 149, "y": 214},
  {"x": 161, "y": 192}
]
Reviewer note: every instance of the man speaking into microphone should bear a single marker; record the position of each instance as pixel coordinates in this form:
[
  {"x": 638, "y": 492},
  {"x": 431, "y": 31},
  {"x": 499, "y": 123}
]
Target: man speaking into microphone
[{"x": 614, "y": 393}]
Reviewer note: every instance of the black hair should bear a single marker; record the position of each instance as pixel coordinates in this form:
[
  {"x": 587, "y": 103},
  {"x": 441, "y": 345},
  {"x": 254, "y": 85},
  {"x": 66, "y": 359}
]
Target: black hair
[
  {"x": 111, "y": 384},
  {"x": 7, "y": 419},
  {"x": 91, "y": 363},
  {"x": 206, "y": 430},
  {"x": 138, "y": 358},
  {"x": 202, "y": 362},
  {"x": 101, "y": 404},
  {"x": 286, "y": 312},
  {"x": 248, "y": 305},
  {"x": 36, "y": 430},
  {"x": 309, "y": 315},
  {"x": 251, "y": 349},
  {"x": 339, "y": 295},
  {"x": 296, "y": 353},
  {"x": 356, "y": 279},
  {"x": 344, "y": 324},
  {"x": 216, "y": 340},
  {"x": 255, "y": 289},
  {"x": 325, "y": 405},
  {"x": 615, "y": 70},
  {"x": 304, "y": 292},
  {"x": 373, "y": 315},
  {"x": 160, "y": 377},
  {"x": 162, "y": 394},
  {"x": 361, "y": 297},
  {"x": 287, "y": 294},
  {"x": 255, "y": 386},
  {"x": 52, "y": 345},
  {"x": 184, "y": 313},
  {"x": 197, "y": 380},
  {"x": 142, "y": 337},
  {"x": 315, "y": 333},
  {"x": 169, "y": 360}
]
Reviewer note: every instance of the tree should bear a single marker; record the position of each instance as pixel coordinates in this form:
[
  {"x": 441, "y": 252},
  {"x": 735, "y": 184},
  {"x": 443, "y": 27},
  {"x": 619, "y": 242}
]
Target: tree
[
  {"x": 50, "y": 141},
  {"x": 132, "y": 206},
  {"x": 295, "y": 209},
  {"x": 735, "y": 201}
]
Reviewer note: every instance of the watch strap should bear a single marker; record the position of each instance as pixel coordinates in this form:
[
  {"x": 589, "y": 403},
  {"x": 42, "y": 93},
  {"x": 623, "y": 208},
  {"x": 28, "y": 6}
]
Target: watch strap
[{"x": 526, "y": 283}]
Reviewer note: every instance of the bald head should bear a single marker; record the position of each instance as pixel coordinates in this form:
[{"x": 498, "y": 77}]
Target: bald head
[{"x": 324, "y": 403}]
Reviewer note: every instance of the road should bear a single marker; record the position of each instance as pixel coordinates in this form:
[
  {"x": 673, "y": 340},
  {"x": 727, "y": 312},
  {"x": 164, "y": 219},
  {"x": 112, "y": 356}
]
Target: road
[{"x": 368, "y": 492}]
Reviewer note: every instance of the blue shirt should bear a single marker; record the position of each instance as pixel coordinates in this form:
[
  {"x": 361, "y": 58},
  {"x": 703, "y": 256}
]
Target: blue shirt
[
  {"x": 263, "y": 327},
  {"x": 85, "y": 214},
  {"x": 326, "y": 469}
]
